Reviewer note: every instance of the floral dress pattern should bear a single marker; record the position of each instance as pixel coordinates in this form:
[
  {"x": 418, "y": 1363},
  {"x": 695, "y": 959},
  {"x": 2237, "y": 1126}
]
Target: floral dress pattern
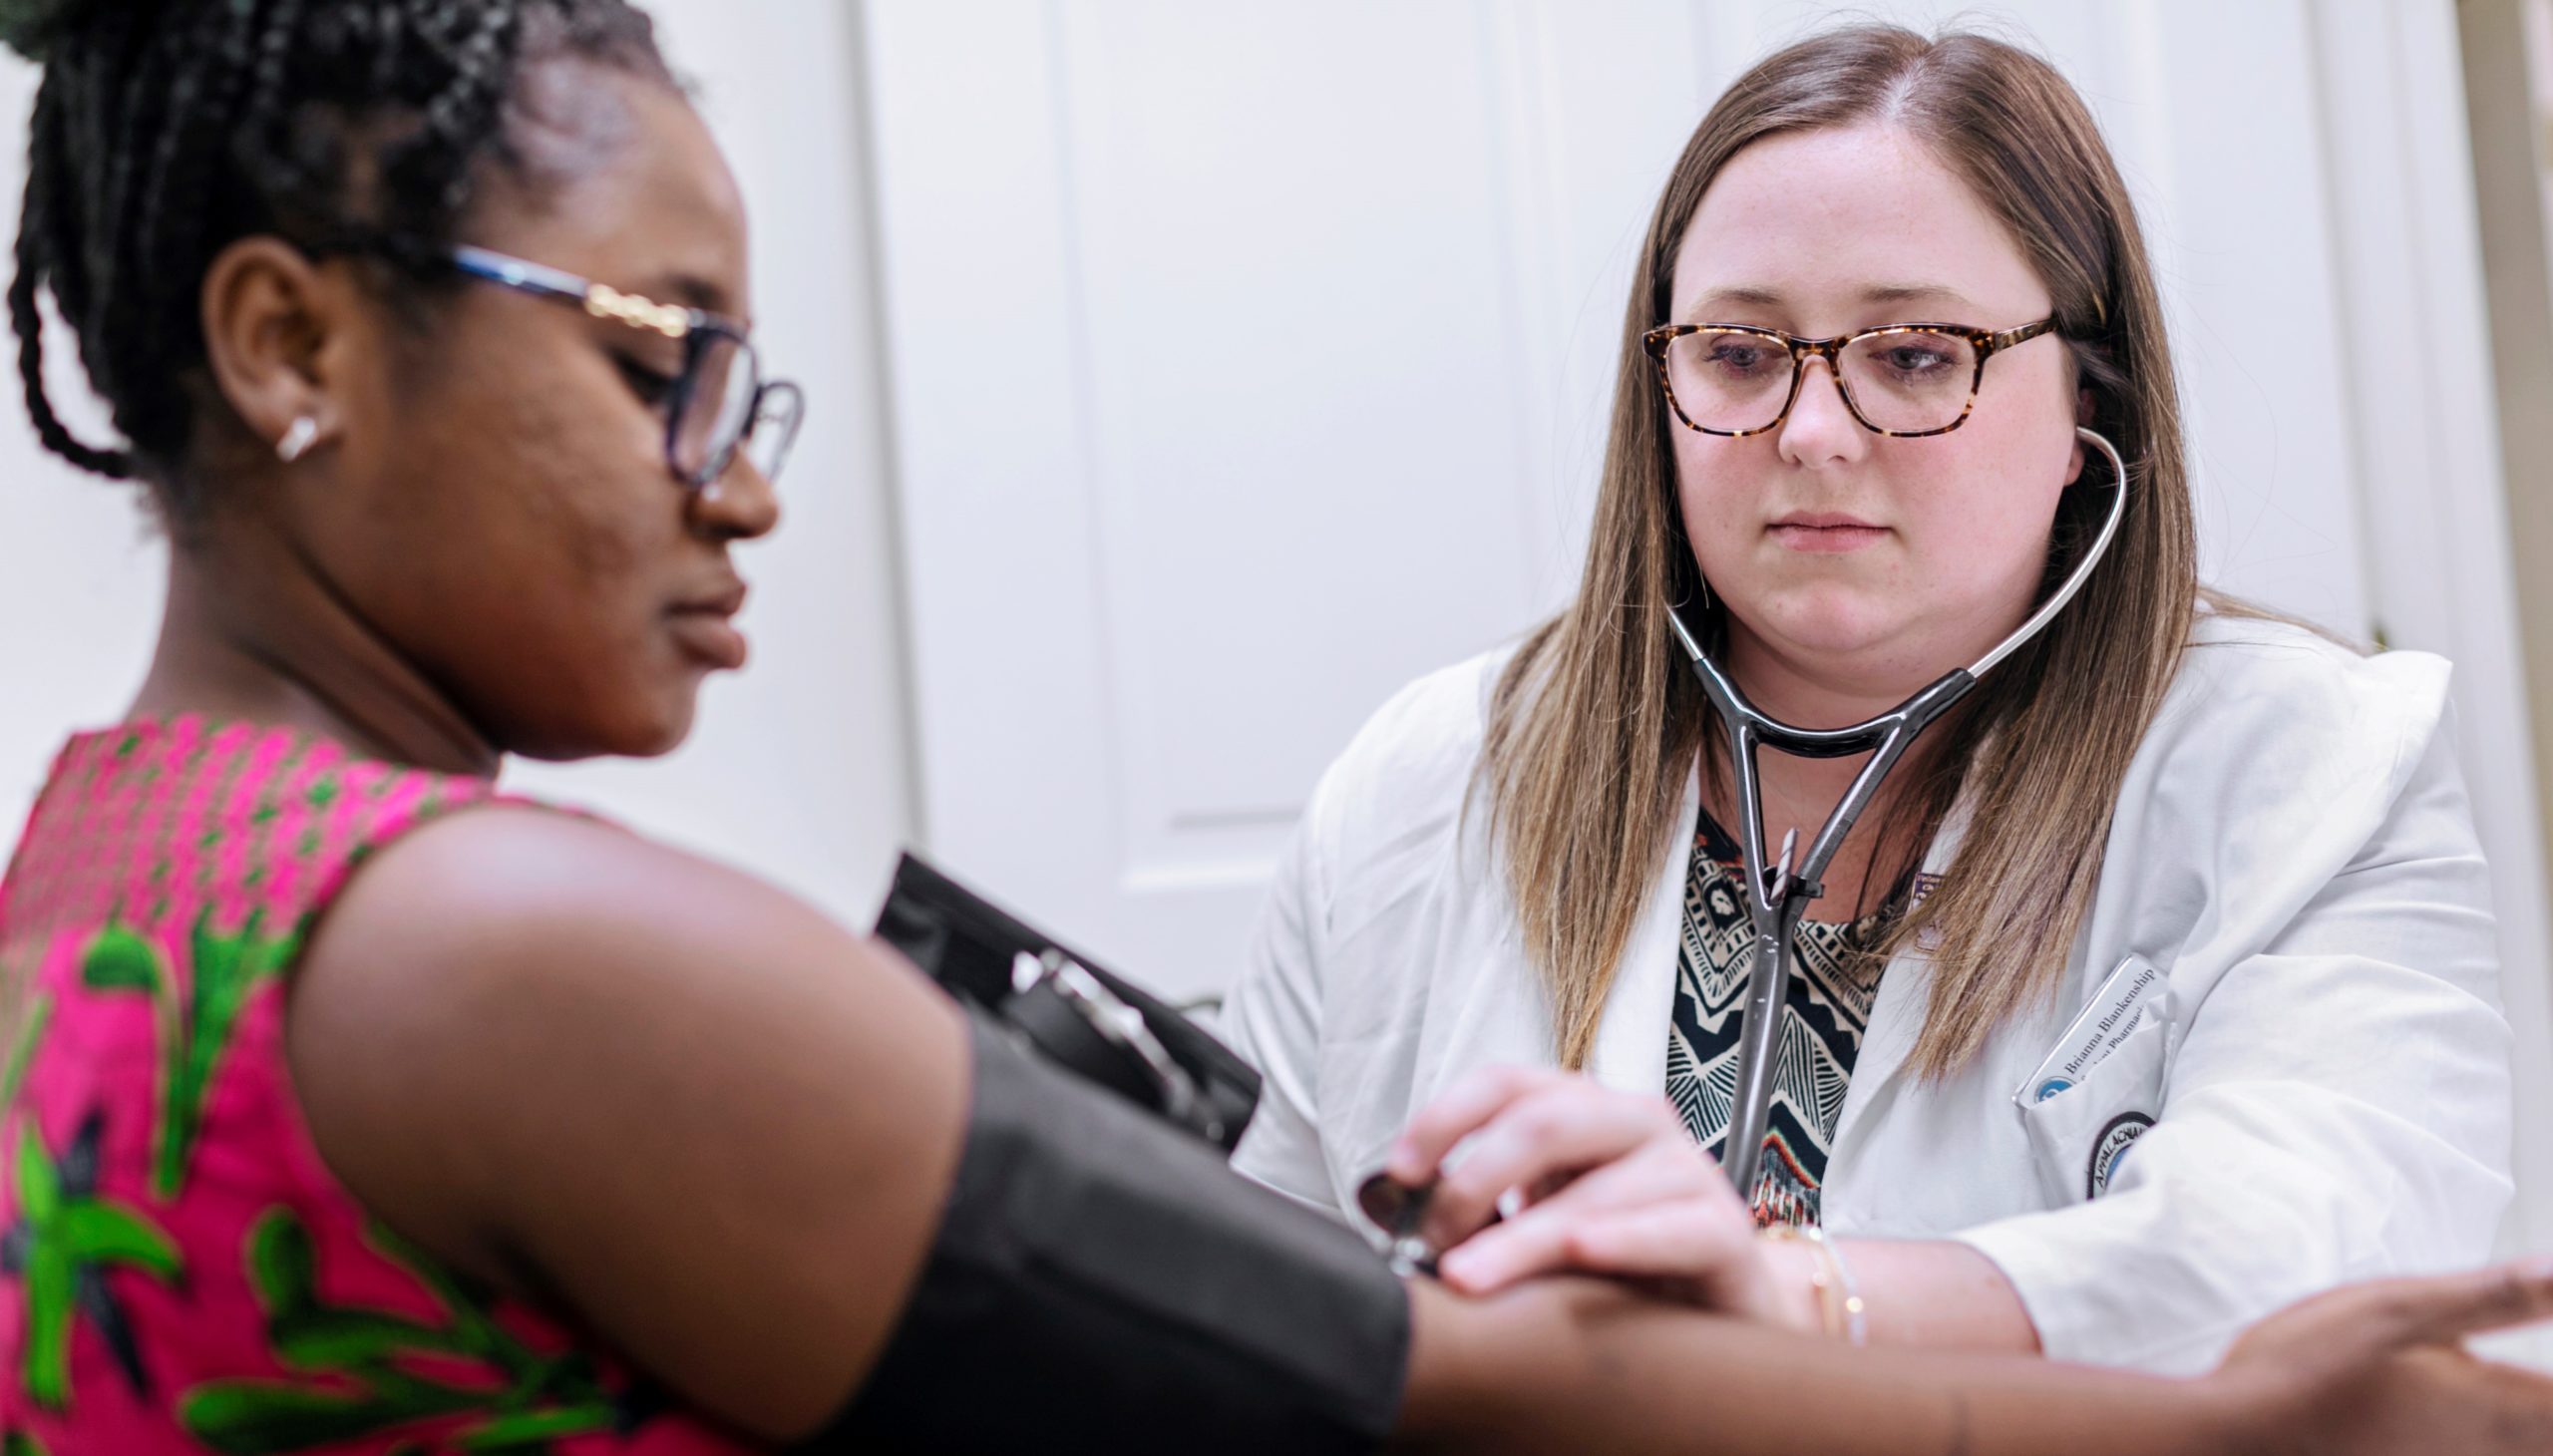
[{"x": 180, "y": 1271}]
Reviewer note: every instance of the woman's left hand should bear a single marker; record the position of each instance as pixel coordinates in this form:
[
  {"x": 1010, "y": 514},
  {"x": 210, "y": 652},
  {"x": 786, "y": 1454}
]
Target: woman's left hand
[{"x": 1594, "y": 1181}]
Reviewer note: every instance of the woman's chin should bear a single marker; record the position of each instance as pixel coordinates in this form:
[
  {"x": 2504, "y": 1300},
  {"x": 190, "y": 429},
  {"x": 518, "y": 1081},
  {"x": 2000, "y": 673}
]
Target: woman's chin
[
  {"x": 1833, "y": 625},
  {"x": 1879, "y": 647},
  {"x": 664, "y": 730},
  {"x": 648, "y": 726}
]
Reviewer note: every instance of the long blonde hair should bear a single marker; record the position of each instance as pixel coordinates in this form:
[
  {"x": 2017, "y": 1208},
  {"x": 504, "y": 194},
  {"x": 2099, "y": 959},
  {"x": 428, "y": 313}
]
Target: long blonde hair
[{"x": 1597, "y": 719}]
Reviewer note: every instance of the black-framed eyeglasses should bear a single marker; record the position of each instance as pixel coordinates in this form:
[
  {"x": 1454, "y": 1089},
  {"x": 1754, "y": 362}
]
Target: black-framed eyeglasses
[
  {"x": 717, "y": 405},
  {"x": 1901, "y": 379}
]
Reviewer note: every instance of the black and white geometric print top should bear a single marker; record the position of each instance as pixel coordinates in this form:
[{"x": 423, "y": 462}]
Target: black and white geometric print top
[{"x": 1832, "y": 987}]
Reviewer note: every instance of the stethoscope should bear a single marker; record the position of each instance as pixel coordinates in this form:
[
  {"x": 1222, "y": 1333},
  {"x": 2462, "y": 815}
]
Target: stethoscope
[{"x": 1779, "y": 893}]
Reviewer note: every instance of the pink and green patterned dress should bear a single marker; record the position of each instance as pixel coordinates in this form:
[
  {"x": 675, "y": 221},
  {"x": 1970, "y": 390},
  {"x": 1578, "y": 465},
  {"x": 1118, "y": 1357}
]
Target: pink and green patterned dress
[{"x": 180, "y": 1271}]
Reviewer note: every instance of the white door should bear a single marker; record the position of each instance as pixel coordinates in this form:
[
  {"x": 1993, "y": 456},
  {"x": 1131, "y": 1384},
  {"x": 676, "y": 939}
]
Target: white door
[{"x": 1226, "y": 350}]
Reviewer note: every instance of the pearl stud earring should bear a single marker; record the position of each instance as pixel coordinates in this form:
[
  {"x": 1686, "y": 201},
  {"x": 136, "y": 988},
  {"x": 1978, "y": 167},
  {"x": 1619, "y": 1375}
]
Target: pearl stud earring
[{"x": 297, "y": 440}]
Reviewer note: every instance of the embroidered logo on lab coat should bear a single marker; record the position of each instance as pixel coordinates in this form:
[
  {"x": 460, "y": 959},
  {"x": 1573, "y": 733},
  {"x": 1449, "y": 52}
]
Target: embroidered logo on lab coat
[{"x": 2110, "y": 1147}]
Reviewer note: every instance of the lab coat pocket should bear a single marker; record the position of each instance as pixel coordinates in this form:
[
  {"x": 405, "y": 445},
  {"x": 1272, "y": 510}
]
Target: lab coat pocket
[{"x": 2079, "y": 1136}]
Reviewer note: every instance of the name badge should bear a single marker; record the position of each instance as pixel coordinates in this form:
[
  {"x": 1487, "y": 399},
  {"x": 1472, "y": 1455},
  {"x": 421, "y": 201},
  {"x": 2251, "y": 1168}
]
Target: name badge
[{"x": 2114, "y": 1011}]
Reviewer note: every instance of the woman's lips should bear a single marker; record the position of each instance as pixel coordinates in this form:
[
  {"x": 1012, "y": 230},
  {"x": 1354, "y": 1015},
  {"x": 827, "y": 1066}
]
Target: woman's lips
[
  {"x": 1826, "y": 534},
  {"x": 707, "y": 634}
]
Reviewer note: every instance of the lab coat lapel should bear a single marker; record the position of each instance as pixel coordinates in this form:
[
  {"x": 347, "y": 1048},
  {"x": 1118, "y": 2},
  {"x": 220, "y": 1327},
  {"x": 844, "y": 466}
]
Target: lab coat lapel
[
  {"x": 1904, "y": 994},
  {"x": 1631, "y": 1042}
]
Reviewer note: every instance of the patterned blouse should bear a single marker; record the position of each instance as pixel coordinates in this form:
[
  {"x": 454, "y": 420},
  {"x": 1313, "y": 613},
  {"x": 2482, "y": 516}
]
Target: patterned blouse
[
  {"x": 1833, "y": 984},
  {"x": 179, "y": 1271}
]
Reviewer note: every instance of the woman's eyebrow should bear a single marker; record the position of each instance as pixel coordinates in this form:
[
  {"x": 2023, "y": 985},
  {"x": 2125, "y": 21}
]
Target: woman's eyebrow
[
  {"x": 1915, "y": 293},
  {"x": 1747, "y": 295},
  {"x": 1742, "y": 295}
]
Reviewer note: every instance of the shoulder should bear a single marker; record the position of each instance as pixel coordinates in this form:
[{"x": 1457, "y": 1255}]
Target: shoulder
[
  {"x": 2250, "y": 687},
  {"x": 511, "y": 916},
  {"x": 1409, "y": 769},
  {"x": 1429, "y": 731},
  {"x": 2272, "y": 725},
  {"x": 508, "y": 984},
  {"x": 478, "y": 899}
]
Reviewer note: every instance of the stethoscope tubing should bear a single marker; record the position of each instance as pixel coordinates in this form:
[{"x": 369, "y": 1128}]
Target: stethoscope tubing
[{"x": 1779, "y": 893}]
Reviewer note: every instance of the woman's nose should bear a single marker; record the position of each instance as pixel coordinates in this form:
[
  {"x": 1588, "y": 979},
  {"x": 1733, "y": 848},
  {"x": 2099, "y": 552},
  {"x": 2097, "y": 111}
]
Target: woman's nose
[
  {"x": 1821, "y": 427},
  {"x": 740, "y": 505}
]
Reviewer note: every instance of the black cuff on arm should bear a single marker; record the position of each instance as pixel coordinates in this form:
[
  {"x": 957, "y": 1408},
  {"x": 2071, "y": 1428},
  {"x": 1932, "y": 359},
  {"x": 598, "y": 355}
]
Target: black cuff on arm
[{"x": 1101, "y": 1281}]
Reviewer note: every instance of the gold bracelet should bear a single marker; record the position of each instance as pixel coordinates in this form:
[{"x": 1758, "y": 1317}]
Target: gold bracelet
[
  {"x": 1857, "y": 1324},
  {"x": 1840, "y": 1309},
  {"x": 1819, "y": 1282}
]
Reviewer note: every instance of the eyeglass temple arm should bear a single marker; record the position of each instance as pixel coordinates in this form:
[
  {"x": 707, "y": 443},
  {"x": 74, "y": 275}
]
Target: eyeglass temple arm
[
  {"x": 1997, "y": 343},
  {"x": 519, "y": 273}
]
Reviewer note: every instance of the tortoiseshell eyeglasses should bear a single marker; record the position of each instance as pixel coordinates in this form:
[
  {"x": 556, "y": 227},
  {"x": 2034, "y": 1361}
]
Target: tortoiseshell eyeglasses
[{"x": 1901, "y": 379}]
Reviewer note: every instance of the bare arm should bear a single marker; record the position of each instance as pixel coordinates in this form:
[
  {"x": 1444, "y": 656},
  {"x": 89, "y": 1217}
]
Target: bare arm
[
  {"x": 1571, "y": 1366},
  {"x": 1930, "y": 1293}
]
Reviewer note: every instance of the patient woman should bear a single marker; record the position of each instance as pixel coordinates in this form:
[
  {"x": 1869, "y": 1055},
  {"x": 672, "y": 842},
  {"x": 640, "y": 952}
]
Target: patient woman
[
  {"x": 1888, "y": 279},
  {"x": 351, "y": 1107}
]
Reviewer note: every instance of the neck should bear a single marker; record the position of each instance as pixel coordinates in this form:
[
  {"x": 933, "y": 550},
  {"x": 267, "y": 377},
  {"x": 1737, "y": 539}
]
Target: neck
[
  {"x": 1799, "y": 793},
  {"x": 253, "y": 633},
  {"x": 1810, "y": 694}
]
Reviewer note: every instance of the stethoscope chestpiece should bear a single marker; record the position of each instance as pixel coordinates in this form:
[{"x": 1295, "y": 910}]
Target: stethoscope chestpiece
[{"x": 1398, "y": 1211}]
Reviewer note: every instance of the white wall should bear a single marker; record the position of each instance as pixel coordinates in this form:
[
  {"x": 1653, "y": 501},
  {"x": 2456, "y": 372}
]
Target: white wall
[
  {"x": 799, "y": 766},
  {"x": 80, "y": 573}
]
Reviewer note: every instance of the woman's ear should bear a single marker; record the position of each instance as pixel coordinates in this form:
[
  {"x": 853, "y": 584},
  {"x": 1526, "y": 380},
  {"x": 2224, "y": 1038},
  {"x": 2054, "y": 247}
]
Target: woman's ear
[
  {"x": 271, "y": 315},
  {"x": 2082, "y": 417}
]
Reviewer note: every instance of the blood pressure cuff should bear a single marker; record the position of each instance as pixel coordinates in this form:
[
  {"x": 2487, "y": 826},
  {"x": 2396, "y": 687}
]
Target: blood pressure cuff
[
  {"x": 1103, "y": 1283},
  {"x": 969, "y": 945}
]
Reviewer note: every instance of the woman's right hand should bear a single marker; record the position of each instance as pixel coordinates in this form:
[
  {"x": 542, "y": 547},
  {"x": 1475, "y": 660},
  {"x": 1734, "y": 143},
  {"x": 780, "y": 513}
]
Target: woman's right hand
[
  {"x": 2382, "y": 1368},
  {"x": 1590, "y": 1180}
]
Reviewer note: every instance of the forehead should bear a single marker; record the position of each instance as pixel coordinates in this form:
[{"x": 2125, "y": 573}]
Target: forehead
[
  {"x": 622, "y": 183},
  {"x": 1824, "y": 226}
]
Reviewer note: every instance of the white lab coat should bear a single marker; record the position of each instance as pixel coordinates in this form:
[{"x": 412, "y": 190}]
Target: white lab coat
[{"x": 2327, "y": 1072}]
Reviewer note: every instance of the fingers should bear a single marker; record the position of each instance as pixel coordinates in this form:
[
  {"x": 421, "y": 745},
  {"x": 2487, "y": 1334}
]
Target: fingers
[
  {"x": 2427, "y": 1398},
  {"x": 1662, "y": 1212},
  {"x": 1537, "y": 1239},
  {"x": 1537, "y": 1140},
  {"x": 1664, "y": 1241},
  {"x": 2520, "y": 1407},
  {"x": 2378, "y": 1366},
  {"x": 2446, "y": 1308},
  {"x": 1472, "y": 1101}
]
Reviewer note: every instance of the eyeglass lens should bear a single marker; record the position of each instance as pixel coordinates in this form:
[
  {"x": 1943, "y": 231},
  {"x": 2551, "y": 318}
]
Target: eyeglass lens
[
  {"x": 1903, "y": 380},
  {"x": 726, "y": 408}
]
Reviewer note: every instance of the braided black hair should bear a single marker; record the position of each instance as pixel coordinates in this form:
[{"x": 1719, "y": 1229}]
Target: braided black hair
[{"x": 166, "y": 130}]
